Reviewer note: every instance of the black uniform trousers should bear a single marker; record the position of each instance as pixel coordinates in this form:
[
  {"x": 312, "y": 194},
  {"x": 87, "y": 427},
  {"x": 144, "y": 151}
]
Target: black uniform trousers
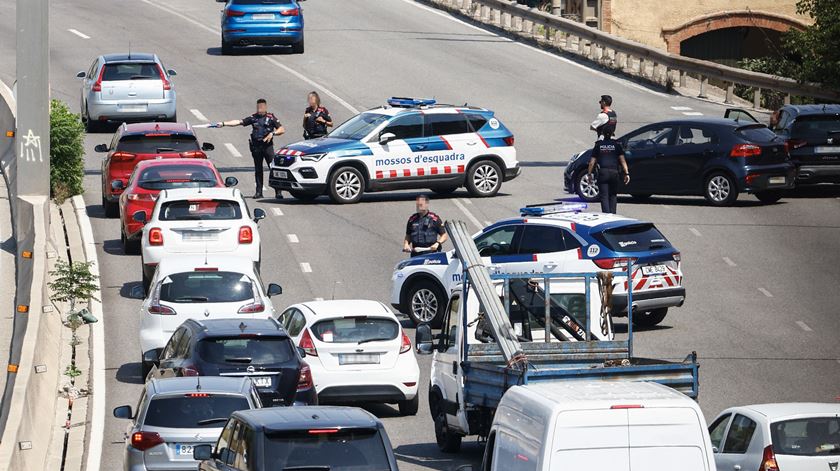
[
  {"x": 261, "y": 152},
  {"x": 608, "y": 189}
]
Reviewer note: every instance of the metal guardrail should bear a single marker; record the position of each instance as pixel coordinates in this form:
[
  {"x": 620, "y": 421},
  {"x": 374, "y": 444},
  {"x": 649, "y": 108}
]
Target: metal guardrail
[{"x": 618, "y": 53}]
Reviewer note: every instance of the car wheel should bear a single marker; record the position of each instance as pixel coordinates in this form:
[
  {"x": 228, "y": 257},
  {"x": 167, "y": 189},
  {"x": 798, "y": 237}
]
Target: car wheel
[
  {"x": 447, "y": 441},
  {"x": 304, "y": 196},
  {"x": 586, "y": 187},
  {"x": 720, "y": 189},
  {"x": 426, "y": 303},
  {"x": 769, "y": 196},
  {"x": 112, "y": 210},
  {"x": 297, "y": 48},
  {"x": 445, "y": 190},
  {"x": 409, "y": 407},
  {"x": 346, "y": 185},
  {"x": 641, "y": 196},
  {"x": 484, "y": 179},
  {"x": 649, "y": 318},
  {"x": 90, "y": 125},
  {"x": 130, "y": 247},
  {"x": 227, "y": 48}
]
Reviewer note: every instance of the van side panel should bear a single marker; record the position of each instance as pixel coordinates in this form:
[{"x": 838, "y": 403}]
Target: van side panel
[{"x": 591, "y": 439}]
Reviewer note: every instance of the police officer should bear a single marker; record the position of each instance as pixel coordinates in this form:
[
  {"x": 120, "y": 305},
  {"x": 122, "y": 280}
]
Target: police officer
[
  {"x": 606, "y": 119},
  {"x": 264, "y": 126},
  {"x": 316, "y": 118},
  {"x": 609, "y": 156},
  {"x": 424, "y": 230}
]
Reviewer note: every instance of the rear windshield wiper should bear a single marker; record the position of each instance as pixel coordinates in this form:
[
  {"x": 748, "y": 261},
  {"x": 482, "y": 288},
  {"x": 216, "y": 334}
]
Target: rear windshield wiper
[
  {"x": 381, "y": 339},
  {"x": 212, "y": 421},
  {"x": 238, "y": 360},
  {"x": 166, "y": 149},
  {"x": 191, "y": 299},
  {"x": 656, "y": 246},
  {"x": 142, "y": 77},
  {"x": 307, "y": 468}
]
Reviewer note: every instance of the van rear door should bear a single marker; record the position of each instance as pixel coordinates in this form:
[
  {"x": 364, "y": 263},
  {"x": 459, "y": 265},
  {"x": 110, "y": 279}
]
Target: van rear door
[
  {"x": 591, "y": 439},
  {"x": 667, "y": 438}
]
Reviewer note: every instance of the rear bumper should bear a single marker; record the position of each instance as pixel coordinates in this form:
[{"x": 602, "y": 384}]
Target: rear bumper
[
  {"x": 649, "y": 299},
  {"x": 818, "y": 174},
  {"x": 99, "y": 111},
  {"x": 373, "y": 385},
  {"x": 511, "y": 173},
  {"x": 759, "y": 178},
  {"x": 263, "y": 37},
  {"x": 371, "y": 393},
  {"x": 270, "y": 398}
]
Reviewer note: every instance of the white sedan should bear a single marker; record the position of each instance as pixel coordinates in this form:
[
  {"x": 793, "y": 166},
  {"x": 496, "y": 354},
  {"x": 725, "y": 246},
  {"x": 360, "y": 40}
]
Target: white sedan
[
  {"x": 198, "y": 220},
  {"x": 200, "y": 287},
  {"x": 357, "y": 350},
  {"x": 797, "y": 436}
]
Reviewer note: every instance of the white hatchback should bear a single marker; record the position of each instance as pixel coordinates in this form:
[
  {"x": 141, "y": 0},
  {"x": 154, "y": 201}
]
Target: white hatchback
[
  {"x": 198, "y": 220},
  {"x": 200, "y": 287},
  {"x": 357, "y": 350}
]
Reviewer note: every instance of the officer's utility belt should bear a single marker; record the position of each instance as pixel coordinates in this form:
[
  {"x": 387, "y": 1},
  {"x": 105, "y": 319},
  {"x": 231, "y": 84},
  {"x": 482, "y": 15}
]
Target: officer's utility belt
[{"x": 253, "y": 144}]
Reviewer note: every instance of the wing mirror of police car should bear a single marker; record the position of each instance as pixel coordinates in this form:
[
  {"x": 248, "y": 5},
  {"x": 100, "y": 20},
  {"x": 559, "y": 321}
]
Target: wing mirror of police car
[
  {"x": 81, "y": 74},
  {"x": 231, "y": 181},
  {"x": 259, "y": 214},
  {"x": 423, "y": 339},
  {"x": 101, "y": 148},
  {"x": 206, "y": 146},
  {"x": 274, "y": 290},
  {"x": 139, "y": 216},
  {"x": 386, "y": 137}
]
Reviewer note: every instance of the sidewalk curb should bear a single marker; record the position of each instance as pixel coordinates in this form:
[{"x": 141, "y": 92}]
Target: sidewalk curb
[{"x": 96, "y": 428}]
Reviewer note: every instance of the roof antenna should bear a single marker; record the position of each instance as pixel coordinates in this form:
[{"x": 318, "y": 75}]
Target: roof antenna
[
  {"x": 198, "y": 383},
  {"x": 129, "y": 50},
  {"x": 205, "y": 253}
]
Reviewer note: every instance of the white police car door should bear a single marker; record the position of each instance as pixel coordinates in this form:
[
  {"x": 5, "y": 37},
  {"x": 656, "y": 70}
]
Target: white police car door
[
  {"x": 396, "y": 158},
  {"x": 547, "y": 249},
  {"x": 450, "y": 143}
]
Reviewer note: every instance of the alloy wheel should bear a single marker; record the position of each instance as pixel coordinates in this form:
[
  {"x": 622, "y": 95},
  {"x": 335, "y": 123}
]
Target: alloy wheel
[
  {"x": 485, "y": 178},
  {"x": 424, "y": 305},
  {"x": 348, "y": 185}
]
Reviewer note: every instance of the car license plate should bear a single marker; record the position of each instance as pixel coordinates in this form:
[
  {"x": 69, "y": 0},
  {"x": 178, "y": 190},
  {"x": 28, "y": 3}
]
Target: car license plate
[
  {"x": 182, "y": 450},
  {"x": 358, "y": 359},
  {"x": 133, "y": 108},
  {"x": 827, "y": 149},
  {"x": 777, "y": 180},
  {"x": 263, "y": 16},
  {"x": 654, "y": 270},
  {"x": 261, "y": 381},
  {"x": 201, "y": 236},
  {"x": 281, "y": 174}
]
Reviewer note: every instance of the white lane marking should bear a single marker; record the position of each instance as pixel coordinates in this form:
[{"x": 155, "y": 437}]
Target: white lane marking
[
  {"x": 288, "y": 69},
  {"x": 79, "y": 33},
  {"x": 804, "y": 326},
  {"x": 293, "y": 239},
  {"x": 232, "y": 150},
  {"x": 277, "y": 211},
  {"x": 729, "y": 262},
  {"x": 467, "y": 212},
  {"x": 535, "y": 49},
  {"x": 681, "y": 108},
  {"x": 199, "y": 115},
  {"x": 692, "y": 113},
  {"x": 765, "y": 292},
  {"x": 321, "y": 299},
  {"x": 304, "y": 267},
  {"x": 695, "y": 232}
]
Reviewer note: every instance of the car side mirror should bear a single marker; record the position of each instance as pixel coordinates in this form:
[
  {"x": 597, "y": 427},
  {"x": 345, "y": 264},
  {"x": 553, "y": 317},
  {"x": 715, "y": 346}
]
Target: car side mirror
[
  {"x": 202, "y": 452},
  {"x": 274, "y": 290},
  {"x": 259, "y": 214},
  {"x": 117, "y": 185},
  {"x": 81, "y": 74},
  {"x": 301, "y": 352},
  {"x": 231, "y": 181},
  {"x": 172, "y": 72},
  {"x": 206, "y": 146},
  {"x": 386, "y": 137},
  {"x": 153, "y": 356},
  {"x": 139, "y": 216},
  {"x": 123, "y": 412},
  {"x": 101, "y": 148},
  {"x": 423, "y": 339}
]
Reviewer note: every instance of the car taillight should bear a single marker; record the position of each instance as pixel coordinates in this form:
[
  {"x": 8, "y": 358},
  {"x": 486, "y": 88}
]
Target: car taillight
[
  {"x": 161, "y": 309},
  {"x": 155, "y": 236},
  {"x": 745, "y": 150},
  {"x": 193, "y": 154},
  {"x": 307, "y": 344},
  {"x": 304, "y": 377},
  {"x": 677, "y": 256},
  {"x": 230, "y": 13},
  {"x": 97, "y": 86},
  {"x": 509, "y": 141},
  {"x": 120, "y": 155},
  {"x": 292, "y": 12},
  {"x": 791, "y": 144},
  {"x": 406, "y": 344},
  {"x": 768, "y": 460},
  {"x": 610, "y": 263},
  {"x": 251, "y": 308},
  {"x": 246, "y": 235},
  {"x": 142, "y": 197},
  {"x": 144, "y": 440},
  {"x": 167, "y": 85},
  {"x": 190, "y": 371}
]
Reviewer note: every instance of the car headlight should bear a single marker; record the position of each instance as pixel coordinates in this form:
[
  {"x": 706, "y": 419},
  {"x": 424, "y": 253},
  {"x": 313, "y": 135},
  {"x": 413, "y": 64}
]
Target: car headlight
[
  {"x": 312, "y": 157},
  {"x": 402, "y": 264}
]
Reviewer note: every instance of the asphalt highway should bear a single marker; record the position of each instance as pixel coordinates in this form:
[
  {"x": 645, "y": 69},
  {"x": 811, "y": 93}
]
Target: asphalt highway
[{"x": 761, "y": 280}]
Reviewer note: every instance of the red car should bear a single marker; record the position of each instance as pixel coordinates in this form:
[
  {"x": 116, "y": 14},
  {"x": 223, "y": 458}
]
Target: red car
[
  {"x": 149, "y": 178},
  {"x": 133, "y": 143}
]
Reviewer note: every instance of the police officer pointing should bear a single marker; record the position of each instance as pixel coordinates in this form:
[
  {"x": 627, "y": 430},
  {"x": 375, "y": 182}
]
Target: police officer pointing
[
  {"x": 264, "y": 126},
  {"x": 424, "y": 232},
  {"x": 607, "y": 119},
  {"x": 608, "y": 154}
]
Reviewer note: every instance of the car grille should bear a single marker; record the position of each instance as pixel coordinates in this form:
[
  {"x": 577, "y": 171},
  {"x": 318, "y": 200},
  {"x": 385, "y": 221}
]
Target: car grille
[{"x": 284, "y": 160}]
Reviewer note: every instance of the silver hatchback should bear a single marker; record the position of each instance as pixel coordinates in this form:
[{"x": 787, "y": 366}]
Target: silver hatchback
[
  {"x": 127, "y": 87},
  {"x": 174, "y": 415}
]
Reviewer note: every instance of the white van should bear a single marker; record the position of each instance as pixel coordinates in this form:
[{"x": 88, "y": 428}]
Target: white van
[{"x": 598, "y": 425}]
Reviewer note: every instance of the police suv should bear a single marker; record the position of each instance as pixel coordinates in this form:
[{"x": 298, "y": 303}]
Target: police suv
[
  {"x": 409, "y": 143},
  {"x": 554, "y": 238}
]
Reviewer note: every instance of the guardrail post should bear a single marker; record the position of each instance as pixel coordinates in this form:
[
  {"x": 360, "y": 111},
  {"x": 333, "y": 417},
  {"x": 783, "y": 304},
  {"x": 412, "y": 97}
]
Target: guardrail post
[
  {"x": 466, "y": 5},
  {"x": 757, "y": 98},
  {"x": 506, "y": 21},
  {"x": 569, "y": 42},
  {"x": 517, "y": 23},
  {"x": 581, "y": 45},
  {"x": 527, "y": 27},
  {"x": 592, "y": 54},
  {"x": 642, "y": 67},
  {"x": 730, "y": 90},
  {"x": 682, "y": 78},
  {"x": 547, "y": 33},
  {"x": 629, "y": 63},
  {"x": 703, "y": 82}
]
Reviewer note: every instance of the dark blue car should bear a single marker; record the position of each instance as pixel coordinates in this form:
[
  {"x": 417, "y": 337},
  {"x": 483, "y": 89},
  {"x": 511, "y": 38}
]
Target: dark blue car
[
  {"x": 714, "y": 157},
  {"x": 262, "y": 23}
]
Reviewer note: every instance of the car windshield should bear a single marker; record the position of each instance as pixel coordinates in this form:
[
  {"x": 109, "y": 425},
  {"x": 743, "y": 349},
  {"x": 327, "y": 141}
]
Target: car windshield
[
  {"x": 166, "y": 177},
  {"x": 355, "y": 330},
  {"x": 813, "y": 436},
  {"x": 757, "y": 133},
  {"x": 254, "y": 351},
  {"x": 200, "y": 210},
  {"x": 359, "y": 126},
  {"x": 633, "y": 238},
  {"x": 157, "y": 144},
  {"x": 206, "y": 287},
  {"x": 816, "y": 127},
  {"x": 193, "y": 410},
  {"x": 333, "y": 449},
  {"x": 131, "y": 71}
]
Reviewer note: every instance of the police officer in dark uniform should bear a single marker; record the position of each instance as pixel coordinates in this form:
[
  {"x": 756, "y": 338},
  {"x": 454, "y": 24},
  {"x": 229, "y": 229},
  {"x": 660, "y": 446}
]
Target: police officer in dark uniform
[
  {"x": 316, "y": 118},
  {"x": 264, "y": 126},
  {"x": 424, "y": 232},
  {"x": 609, "y": 156},
  {"x": 607, "y": 119}
]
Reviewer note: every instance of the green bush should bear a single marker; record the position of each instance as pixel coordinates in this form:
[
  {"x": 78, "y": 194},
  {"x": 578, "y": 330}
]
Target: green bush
[{"x": 67, "y": 167}]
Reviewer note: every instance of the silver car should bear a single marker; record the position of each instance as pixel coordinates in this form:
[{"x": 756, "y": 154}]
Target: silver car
[
  {"x": 127, "y": 87},
  {"x": 176, "y": 414}
]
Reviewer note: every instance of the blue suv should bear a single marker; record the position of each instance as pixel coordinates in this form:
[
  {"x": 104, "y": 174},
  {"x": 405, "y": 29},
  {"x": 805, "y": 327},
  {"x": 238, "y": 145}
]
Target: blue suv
[{"x": 262, "y": 23}]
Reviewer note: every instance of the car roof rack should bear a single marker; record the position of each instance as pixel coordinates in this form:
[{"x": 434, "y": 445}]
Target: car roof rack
[
  {"x": 545, "y": 209},
  {"x": 406, "y": 102}
]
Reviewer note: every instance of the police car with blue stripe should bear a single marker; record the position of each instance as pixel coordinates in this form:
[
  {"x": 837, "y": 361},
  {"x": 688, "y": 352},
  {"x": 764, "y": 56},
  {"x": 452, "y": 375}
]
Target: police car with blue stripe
[
  {"x": 410, "y": 143},
  {"x": 554, "y": 238}
]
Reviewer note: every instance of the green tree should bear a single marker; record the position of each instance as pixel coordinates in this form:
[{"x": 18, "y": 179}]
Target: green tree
[
  {"x": 813, "y": 54},
  {"x": 67, "y": 167},
  {"x": 72, "y": 282}
]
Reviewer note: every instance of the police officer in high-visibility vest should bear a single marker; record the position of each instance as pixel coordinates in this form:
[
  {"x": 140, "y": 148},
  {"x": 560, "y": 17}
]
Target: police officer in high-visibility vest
[
  {"x": 264, "y": 126},
  {"x": 609, "y": 156},
  {"x": 424, "y": 232},
  {"x": 607, "y": 119}
]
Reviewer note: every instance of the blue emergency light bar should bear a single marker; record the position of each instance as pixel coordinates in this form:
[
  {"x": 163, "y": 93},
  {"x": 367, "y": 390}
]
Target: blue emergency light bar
[
  {"x": 543, "y": 210},
  {"x": 404, "y": 102}
]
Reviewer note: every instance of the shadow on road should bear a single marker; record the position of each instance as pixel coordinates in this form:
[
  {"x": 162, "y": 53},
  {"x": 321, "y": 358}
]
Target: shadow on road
[
  {"x": 622, "y": 328},
  {"x": 543, "y": 163},
  {"x": 252, "y": 51},
  {"x": 95, "y": 211},
  {"x": 378, "y": 197},
  {"x": 428, "y": 455},
  {"x": 113, "y": 247},
  {"x": 130, "y": 373},
  {"x": 132, "y": 290}
]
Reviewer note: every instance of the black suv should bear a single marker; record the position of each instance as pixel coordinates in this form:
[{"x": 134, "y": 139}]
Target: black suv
[
  {"x": 258, "y": 348},
  {"x": 300, "y": 438},
  {"x": 812, "y": 134}
]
